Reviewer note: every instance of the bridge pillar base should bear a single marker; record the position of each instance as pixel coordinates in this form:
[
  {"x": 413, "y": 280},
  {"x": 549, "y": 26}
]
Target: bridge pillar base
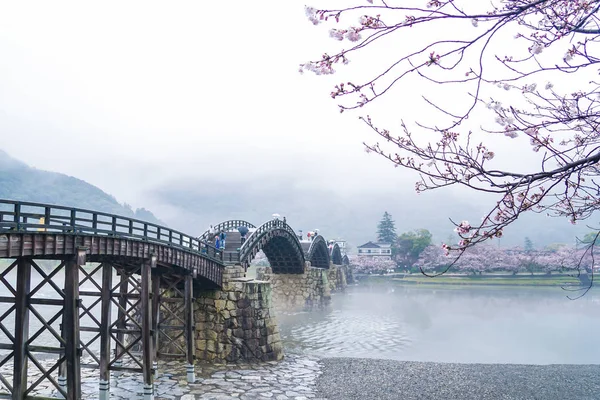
[
  {"x": 191, "y": 375},
  {"x": 337, "y": 277},
  {"x": 148, "y": 391},
  {"x": 236, "y": 323},
  {"x": 104, "y": 390},
  {"x": 293, "y": 292}
]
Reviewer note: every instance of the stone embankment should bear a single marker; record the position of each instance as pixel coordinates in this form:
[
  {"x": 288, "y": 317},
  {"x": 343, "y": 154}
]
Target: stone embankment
[
  {"x": 306, "y": 291},
  {"x": 236, "y": 323}
]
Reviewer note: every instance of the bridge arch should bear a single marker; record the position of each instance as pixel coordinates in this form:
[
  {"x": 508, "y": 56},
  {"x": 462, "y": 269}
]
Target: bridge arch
[
  {"x": 226, "y": 226},
  {"x": 336, "y": 254},
  {"x": 345, "y": 260},
  {"x": 318, "y": 253},
  {"x": 280, "y": 244}
]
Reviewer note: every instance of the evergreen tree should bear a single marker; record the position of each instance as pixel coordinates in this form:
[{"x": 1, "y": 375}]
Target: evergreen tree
[
  {"x": 528, "y": 245},
  {"x": 386, "y": 229}
]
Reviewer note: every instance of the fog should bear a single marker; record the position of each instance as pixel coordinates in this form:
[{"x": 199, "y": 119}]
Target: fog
[
  {"x": 444, "y": 324},
  {"x": 198, "y": 112}
]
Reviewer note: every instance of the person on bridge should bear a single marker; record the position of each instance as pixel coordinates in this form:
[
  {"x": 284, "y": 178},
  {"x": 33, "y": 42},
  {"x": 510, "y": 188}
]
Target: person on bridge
[
  {"x": 217, "y": 242},
  {"x": 243, "y": 232},
  {"x": 223, "y": 236}
]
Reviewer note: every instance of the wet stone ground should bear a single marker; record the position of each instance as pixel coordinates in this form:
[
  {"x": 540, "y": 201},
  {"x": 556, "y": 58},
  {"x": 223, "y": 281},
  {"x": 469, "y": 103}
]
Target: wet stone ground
[{"x": 293, "y": 378}]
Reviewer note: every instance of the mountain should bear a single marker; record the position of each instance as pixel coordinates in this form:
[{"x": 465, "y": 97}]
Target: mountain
[{"x": 18, "y": 181}]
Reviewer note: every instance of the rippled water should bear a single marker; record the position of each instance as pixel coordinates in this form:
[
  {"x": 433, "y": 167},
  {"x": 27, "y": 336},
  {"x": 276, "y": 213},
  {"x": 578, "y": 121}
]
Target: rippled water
[{"x": 449, "y": 324}]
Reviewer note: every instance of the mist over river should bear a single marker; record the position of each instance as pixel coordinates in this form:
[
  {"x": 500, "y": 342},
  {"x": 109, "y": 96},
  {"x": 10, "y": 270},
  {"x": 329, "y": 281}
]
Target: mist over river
[
  {"x": 449, "y": 324},
  {"x": 386, "y": 320}
]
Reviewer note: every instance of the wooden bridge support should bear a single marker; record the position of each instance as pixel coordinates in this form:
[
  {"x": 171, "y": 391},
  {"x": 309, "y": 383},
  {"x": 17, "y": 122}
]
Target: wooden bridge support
[
  {"x": 189, "y": 328},
  {"x": 81, "y": 326},
  {"x": 173, "y": 318},
  {"x": 21, "y": 342}
]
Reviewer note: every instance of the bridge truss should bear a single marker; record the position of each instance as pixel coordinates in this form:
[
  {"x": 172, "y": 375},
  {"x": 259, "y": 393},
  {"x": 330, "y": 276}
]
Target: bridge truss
[{"x": 61, "y": 314}]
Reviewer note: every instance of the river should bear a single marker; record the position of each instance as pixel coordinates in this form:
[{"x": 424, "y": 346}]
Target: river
[
  {"x": 426, "y": 323},
  {"x": 450, "y": 324}
]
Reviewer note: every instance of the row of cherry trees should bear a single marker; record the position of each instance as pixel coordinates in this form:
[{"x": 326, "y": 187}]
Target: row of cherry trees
[{"x": 488, "y": 258}]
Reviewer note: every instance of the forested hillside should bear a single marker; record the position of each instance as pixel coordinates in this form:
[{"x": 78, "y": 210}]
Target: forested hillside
[{"x": 18, "y": 181}]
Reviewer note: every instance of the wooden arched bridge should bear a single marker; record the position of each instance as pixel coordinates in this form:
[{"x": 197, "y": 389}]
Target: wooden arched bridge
[
  {"x": 119, "y": 314},
  {"x": 283, "y": 247}
]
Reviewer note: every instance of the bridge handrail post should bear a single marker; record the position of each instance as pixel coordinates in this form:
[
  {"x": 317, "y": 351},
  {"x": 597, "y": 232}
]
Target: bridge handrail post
[
  {"x": 17, "y": 216},
  {"x": 47, "y": 213},
  {"x": 72, "y": 219}
]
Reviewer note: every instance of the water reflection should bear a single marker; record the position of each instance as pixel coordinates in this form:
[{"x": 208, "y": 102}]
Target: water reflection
[{"x": 449, "y": 324}]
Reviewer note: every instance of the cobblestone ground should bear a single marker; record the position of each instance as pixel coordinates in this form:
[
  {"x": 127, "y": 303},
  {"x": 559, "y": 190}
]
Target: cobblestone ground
[{"x": 294, "y": 378}]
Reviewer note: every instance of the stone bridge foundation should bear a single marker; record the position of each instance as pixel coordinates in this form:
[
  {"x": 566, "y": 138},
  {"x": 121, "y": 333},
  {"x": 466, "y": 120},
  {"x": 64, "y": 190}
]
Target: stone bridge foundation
[
  {"x": 236, "y": 323},
  {"x": 306, "y": 291}
]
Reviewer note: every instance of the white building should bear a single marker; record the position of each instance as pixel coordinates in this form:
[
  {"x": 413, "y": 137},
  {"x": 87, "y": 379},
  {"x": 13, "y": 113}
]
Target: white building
[
  {"x": 342, "y": 244},
  {"x": 371, "y": 249}
]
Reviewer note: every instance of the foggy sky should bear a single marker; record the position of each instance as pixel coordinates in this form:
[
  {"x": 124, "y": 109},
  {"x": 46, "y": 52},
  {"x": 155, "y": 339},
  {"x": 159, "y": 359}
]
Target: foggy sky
[{"x": 134, "y": 97}]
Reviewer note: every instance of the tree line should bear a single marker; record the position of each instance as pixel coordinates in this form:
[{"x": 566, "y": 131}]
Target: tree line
[{"x": 414, "y": 251}]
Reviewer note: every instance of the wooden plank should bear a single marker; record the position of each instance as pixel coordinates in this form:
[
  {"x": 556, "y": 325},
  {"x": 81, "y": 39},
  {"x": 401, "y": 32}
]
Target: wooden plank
[
  {"x": 155, "y": 318},
  {"x": 105, "y": 321},
  {"x": 189, "y": 326},
  {"x": 121, "y": 326},
  {"x": 21, "y": 329},
  {"x": 146, "y": 315},
  {"x": 71, "y": 321}
]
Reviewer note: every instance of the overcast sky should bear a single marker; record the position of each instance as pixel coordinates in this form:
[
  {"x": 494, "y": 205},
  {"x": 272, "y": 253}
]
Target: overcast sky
[
  {"x": 132, "y": 95},
  {"x": 128, "y": 95}
]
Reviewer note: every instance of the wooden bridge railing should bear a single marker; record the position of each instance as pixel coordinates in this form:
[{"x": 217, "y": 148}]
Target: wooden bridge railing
[
  {"x": 37, "y": 217},
  {"x": 225, "y": 226},
  {"x": 253, "y": 239}
]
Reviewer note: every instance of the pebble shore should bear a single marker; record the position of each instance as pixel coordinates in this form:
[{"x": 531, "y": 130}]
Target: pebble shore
[
  {"x": 305, "y": 377},
  {"x": 366, "y": 379}
]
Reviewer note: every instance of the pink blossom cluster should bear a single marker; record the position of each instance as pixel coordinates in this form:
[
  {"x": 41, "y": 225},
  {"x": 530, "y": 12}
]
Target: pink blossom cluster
[
  {"x": 490, "y": 258},
  {"x": 371, "y": 265},
  {"x": 558, "y": 124}
]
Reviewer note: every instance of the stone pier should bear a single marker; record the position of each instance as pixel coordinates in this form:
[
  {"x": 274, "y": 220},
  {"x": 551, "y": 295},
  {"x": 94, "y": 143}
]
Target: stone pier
[
  {"x": 236, "y": 323},
  {"x": 309, "y": 290}
]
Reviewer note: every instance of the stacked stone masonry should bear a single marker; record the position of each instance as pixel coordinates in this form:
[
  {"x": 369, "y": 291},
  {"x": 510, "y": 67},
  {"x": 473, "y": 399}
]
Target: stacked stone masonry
[
  {"x": 236, "y": 323},
  {"x": 306, "y": 291}
]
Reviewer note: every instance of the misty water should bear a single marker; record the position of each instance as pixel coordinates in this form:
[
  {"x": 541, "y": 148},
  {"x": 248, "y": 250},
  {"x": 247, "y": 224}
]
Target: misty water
[
  {"x": 419, "y": 323},
  {"x": 450, "y": 324}
]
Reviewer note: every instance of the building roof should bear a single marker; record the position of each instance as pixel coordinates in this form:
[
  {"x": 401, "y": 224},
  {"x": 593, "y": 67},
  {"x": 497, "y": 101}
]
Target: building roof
[{"x": 371, "y": 245}]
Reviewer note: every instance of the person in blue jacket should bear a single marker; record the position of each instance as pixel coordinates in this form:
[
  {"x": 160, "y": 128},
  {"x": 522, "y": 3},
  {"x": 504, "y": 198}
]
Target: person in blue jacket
[{"x": 223, "y": 236}]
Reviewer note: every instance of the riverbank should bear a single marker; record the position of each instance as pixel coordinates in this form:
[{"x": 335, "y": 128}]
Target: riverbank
[
  {"x": 477, "y": 280},
  {"x": 366, "y": 379},
  {"x": 301, "y": 377}
]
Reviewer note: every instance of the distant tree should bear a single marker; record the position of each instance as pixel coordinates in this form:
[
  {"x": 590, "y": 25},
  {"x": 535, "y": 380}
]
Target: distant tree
[
  {"x": 528, "y": 245},
  {"x": 409, "y": 246},
  {"x": 386, "y": 229},
  {"x": 590, "y": 238}
]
